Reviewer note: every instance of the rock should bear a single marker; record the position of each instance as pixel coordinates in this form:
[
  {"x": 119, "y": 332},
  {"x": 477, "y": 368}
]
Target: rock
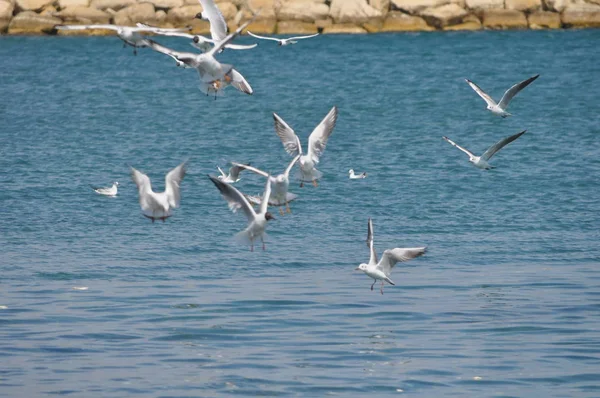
[
  {"x": 544, "y": 20},
  {"x": 32, "y": 5},
  {"x": 449, "y": 14},
  {"x": 523, "y": 5},
  {"x": 296, "y": 27},
  {"x": 352, "y": 11},
  {"x": 199, "y": 26},
  {"x": 267, "y": 8},
  {"x": 480, "y": 5},
  {"x": 323, "y": 23},
  {"x": 262, "y": 26},
  {"x": 84, "y": 15},
  {"x": 28, "y": 22},
  {"x": 504, "y": 19},
  {"x": 343, "y": 28},
  {"x": 6, "y": 10},
  {"x": 71, "y": 3},
  {"x": 183, "y": 14},
  {"x": 414, "y": 6},
  {"x": 160, "y": 17},
  {"x": 557, "y": 5},
  {"x": 139, "y": 12},
  {"x": 115, "y": 5},
  {"x": 400, "y": 22},
  {"x": 167, "y": 4},
  {"x": 465, "y": 25},
  {"x": 373, "y": 25},
  {"x": 383, "y": 6},
  {"x": 4, "y": 25},
  {"x": 583, "y": 15},
  {"x": 303, "y": 11}
]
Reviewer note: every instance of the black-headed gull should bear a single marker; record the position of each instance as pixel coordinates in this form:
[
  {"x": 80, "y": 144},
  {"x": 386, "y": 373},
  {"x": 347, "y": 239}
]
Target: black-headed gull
[
  {"x": 218, "y": 26},
  {"x": 316, "y": 144},
  {"x": 283, "y": 42},
  {"x": 257, "y": 222},
  {"x": 234, "y": 173},
  {"x": 158, "y": 205},
  {"x": 482, "y": 161},
  {"x": 354, "y": 176},
  {"x": 279, "y": 185},
  {"x": 110, "y": 191},
  {"x": 382, "y": 269},
  {"x": 500, "y": 107},
  {"x": 129, "y": 34}
]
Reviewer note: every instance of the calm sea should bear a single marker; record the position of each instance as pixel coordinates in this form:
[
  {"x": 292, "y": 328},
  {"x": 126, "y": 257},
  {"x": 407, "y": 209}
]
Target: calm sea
[{"x": 505, "y": 303}]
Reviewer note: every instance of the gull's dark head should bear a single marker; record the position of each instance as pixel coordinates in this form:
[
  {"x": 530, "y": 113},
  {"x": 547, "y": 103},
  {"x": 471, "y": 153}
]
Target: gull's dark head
[
  {"x": 200, "y": 15},
  {"x": 269, "y": 216}
]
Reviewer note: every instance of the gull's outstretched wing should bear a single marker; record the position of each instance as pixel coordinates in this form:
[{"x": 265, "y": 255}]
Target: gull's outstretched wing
[
  {"x": 514, "y": 90},
  {"x": 250, "y": 168},
  {"x": 172, "y": 182},
  {"x": 266, "y": 196},
  {"x": 180, "y": 32},
  {"x": 481, "y": 93},
  {"x": 146, "y": 198},
  {"x": 263, "y": 37},
  {"x": 303, "y": 37},
  {"x": 222, "y": 172},
  {"x": 234, "y": 171},
  {"x": 392, "y": 256},
  {"x": 458, "y": 146},
  {"x": 176, "y": 55},
  {"x": 218, "y": 26},
  {"x": 318, "y": 138},
  {"x": 373, "y": 255},
  {"x": 288, "y": 137},
  {"x": 292, "y": 163},
  {"x": 224, "y": 42},
  {"x": 85, "y": 27},
  {"x": 241, "y": 46},
  {"x": 238, "y": 81},
  {"x": 499, "y": 145},
  {"x": 234, "y": 198}
]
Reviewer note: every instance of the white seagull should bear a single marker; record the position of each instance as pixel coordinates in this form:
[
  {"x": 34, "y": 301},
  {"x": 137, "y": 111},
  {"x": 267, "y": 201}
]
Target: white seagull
[
  {"x": 381, "y": 271},
  {"x": 280, "y": 184},
  {"x": 353, "y": 176},
  {"x": 129, "y": 34},
  {"x": 500, "y": 108},
  {"x": 257, "y": 223},
  {"x": 283, "y": 42},
  {"x": 158, "y": 205},
  {"x": 218, "y": 26},
  {"x": 482, "y": 161},
  {"x": 234, "y": 174},
  {"x": 110, "y": 191},
  {"x": 316, "y": 144}
]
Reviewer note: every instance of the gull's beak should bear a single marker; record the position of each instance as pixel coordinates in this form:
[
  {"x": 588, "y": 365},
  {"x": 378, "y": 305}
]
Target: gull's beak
[{"x": 357, "y": 269}]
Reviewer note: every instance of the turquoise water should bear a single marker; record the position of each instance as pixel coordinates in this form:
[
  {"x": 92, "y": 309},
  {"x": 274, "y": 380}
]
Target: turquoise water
[{"x": 505, "y": 303}]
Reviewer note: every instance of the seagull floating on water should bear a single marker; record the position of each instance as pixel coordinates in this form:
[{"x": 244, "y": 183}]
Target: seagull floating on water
[
  {"x": 316, "y": 144},
  {"x": 110, "y": 191},
  {"x": 500, "y": 108},
  {"x": 482, "y": 161},
  {"x": 353, "y": 176},
  {"x": 257, "y": 222},
  {"x": 381, "y": 271},
  {"x": 234, "y": 173},
  {"x": 158, "y": 205},
  {"x": 283, "y": 42}
]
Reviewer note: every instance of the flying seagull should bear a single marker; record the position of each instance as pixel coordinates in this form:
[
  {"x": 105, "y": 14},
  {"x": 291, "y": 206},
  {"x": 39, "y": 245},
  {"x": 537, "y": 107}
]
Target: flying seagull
[
  {"x": 500, "y": 108},
  {"x": 110, "y": 191},
  {"x": 218, "y": 26},
  {"x": 482, "y": 161},
  {"x": 234, "y": 174},
  {"x": 381, "y": 271},
  {"x": 316, "y": 144},
  {"x": 158, "y": 205},
  {"x": 280, "y": 184},
  {"x": 353, "y": 176},
  {"x": 283, "y": 42},
  {"x": 257, "y": 223}
]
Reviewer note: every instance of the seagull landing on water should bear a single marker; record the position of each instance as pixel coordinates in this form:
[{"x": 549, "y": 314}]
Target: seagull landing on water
[
  {"x": 353, "y": 176},
  {"x": 482, "y": 161},
  {"x": 500, "y": 108},
  {"x": 257, "y": 222},
  {"x": 158, "y": 205},
  {"x": 283, "y": 42},
  {"x": 110, "y": 191},
  {"x": 234, "y": 173},
  {"x": 381, "y": 271}
]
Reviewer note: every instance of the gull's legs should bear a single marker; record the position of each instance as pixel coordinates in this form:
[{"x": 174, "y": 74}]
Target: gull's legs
[
  {"x": 287, "y": 207},
  {"x": 315, "y": 183},
  {"x": 280, "y": 210},
  {"x": 381, "y": 290},
  {"x": 301, "y": 184},
  {"x": 374, "y": 282},
  {"x": 263, "y": 243}
]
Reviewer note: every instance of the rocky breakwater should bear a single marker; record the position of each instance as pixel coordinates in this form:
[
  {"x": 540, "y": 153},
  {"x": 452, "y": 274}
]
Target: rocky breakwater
[{"x": 304, "y": 16}]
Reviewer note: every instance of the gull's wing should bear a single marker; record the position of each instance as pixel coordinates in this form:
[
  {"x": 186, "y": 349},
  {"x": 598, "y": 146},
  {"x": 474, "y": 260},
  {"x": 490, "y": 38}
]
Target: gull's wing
[
  {"x": 241, "y": 46},
  {"x": 288, "y": 137},
  {"x": 172, "y": 181},
  {"x": 234, "y": 198},
  {"x": 303, "y": 37},
  {"x": 514, "y": 90},
  {"x": 85, "y": 27},
  {"x": 263, "y": 37},
  {"x": 222, "y": 172},
  {"x": 481, "y": 93},
  {"x": 222, "y": 43},
  {"x": 499, "y": 145},
  {"x": 292, "y": 163},
  {"x": 458, "y": 146},
  {"x": 238, "y": 81},
  {"x": 142, "y": 27},
  {"x": 373, "y": 255},
  {"x": 250, "y": 168},
  {"x": 234, "y": 171},
  {"x": 392, "y": 256},
  {"x": 266, "y": 196},
  {"x": 218, "y": 26},
  {"x": 318, "y": 138},
  {"x": 177, "y": 55},
  {"x": 146, "y": 199}
]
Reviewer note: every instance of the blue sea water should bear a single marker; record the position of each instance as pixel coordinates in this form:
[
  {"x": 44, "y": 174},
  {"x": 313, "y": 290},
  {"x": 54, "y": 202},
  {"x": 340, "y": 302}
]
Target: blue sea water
[{"x": 506, "y": 303}]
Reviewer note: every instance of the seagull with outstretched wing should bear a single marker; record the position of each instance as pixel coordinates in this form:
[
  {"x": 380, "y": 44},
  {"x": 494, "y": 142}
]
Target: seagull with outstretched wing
[
  {"x": 283, "y": 42},
  {"x": 500, "y": 107},
  {"x": 218, "y": 26}
]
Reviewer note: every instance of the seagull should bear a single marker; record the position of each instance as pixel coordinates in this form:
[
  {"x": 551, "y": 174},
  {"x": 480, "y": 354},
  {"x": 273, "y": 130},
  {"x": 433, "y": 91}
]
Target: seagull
[
  {"x": 382, "y": 270},
  {"x": 256, "y": 222},
  {"x": 482, "y": 161},
  {"x": 279, "y": 183},
  {"x": 213, "y": 74},
  {"x": 129, "y": 34},
  {"x": 112, "y": 191},
  {"x": 157, "y": 206},
  {"x": 353, "y": 176},
  {"x": 218, "y": 26},
  {"x": 500, "y": 108},
  {"x": 316, "y": 144},
  {"x": 234, "y": 174},
  {"x": 283, "y": 42}
]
